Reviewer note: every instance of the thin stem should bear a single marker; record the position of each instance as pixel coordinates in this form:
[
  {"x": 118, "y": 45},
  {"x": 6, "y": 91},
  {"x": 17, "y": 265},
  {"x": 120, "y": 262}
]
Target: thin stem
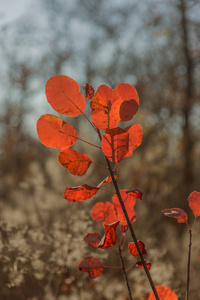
[
  {"x": 125, "y": 275},
  {"x": 106, "y": 190},
  {"x": 97, "y": 130},
  {"x": 100, "y": 165},
  {"x": 188, "y": 265},
  {"x": 193, "y": 223},
  {"x": 89, "y": 143},
  {"x": 112, "y": 267},
  {"x": 130, "y": 267},
  {"x": 132, "y": 231}
]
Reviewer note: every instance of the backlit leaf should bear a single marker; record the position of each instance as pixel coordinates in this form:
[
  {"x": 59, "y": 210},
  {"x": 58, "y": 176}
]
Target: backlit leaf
[
  {"x": 105, "y": 106},
  {"x": 133, "y": 250},
  {"x": 139, "y": 264},
  {"x": 194, "y": 203},
  {"x": 89, "y": 91},
  {"x": 115, "y": 144},
  {"x": 54, "y": 132},
  {"x": 110, "y": 237},
  {"x": 104, "y": 212},
  {"x": 176, "y": 213},
  {"x": 92, "y": 239},
  {"x": 135, "y": 193},
  {"x": 91, "y": 265},
  {"x": 80, "y": 193},
  {"x": 63, "y": 94},
  {"x": 130, "y": 102},
  {"x": 129, "y": 203},
  {"x": 164, "y": 293},
  {"x": 135, "y": 138},
  {"x": 124, "y": 229},
  {"x": 76, "y": 163}
]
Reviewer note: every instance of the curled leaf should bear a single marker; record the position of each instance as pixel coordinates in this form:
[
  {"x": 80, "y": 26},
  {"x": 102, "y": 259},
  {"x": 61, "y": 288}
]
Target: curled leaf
[
  {"x": 92, "y": 239},
  {"x": 76, "y": 163},
  {"x": 80, "y": 193},
  {"x": 133, "y": 250},
  {"x": 104, "y": 211},
  {"x": 110, "y": 237},
  {"x": 139, "y": 264},
  {"x": 176, "y": 213},
  {"x": 54, "y": 132},
  {"x": 135, "y": 193},
  {"x": 92, "y": 266},
  {"x": 164, "y": 293},
  {"x": 194, "y": 203},
  {"x": 63, "y": 95},
  {"x": 89, "y": 91},
  {"x": 107, "y": 180},
  {"x": 105, "y": 106},
  {"x": 130, "y": 102}
]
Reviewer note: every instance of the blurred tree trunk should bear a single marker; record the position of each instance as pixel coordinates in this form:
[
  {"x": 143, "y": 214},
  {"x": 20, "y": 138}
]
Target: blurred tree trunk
[{"x": 188, "y": 141}]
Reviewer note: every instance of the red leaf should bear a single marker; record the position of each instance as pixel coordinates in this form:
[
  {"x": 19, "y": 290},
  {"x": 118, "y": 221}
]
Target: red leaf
[
  {"x": 92, "y": 239},
  {"x": 115, "y": 144},
  {"x": 164, "y": 293},
  {"x": 133, "y": 250},
  {"x": 79, "y": 193},
  {"x": 54, "y": 132},
  {"x": 194, "y": 203},
  {"x": 76, "y": 163},
  {"x": 130, "y": 102},
  {"x": 63, "y": 95},
  {"x": 110, "y": 237},
  {"x": 124, "y": 229},
  {"x": 105, "y": 107},
  {"x": 176, "y": 213},
  {"x": 135, "y": 138},
  {"x": 129, "y": 203},
  {"x": 89, "y": 91},
  {"x": 92, "y": 266},
  {"x": 139, "y": 264},
  {"x": 104, "y": 212},
  {"x": 108, "y": 179},
  {"x": 135, "y": 193}
]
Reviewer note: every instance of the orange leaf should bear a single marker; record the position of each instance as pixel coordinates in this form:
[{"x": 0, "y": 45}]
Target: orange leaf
[
  {"x": 63, "y": 95},
  {"x": 115, "y": 144},
  {"x": 164, "y": 293},
  {"x": 92, "y": 239},
  {"x": 129, "y": 203},
  {"x": 76, "y": 163},
  {"x": 135, "y": 193},
  {"x": 133, "y": 250},
  {"x": 139, "y": 264},
  {"x": 135, "y": 137},
  {"x": 130, "y": 102},
  {"x": 105, "y": 107},
  {"x": 54, "y": 132},
  {"x": 89, "y": 91},
  {"x": 176, "y": 213},
  {"x": 104, "y": 212},
  {"x": 80, "y": 193},
  {"x": 108, "y": 179},
  {"x": 110, "y": 237},
  {"x": 92, "y": 266},
  {"x": 194, "y": 203}
]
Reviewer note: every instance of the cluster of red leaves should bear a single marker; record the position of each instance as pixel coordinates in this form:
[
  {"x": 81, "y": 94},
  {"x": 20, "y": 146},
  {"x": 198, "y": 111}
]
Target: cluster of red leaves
[{"x": 179, "y": 214}]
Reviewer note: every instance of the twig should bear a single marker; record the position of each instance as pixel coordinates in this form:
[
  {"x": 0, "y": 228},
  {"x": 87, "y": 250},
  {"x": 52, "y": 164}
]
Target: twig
[
  {"x": 125, "y": 274},
  {"x": 188, "y": 265}
]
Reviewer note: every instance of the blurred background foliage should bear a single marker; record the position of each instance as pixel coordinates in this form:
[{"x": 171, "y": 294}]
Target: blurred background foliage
[{"x": 155, "y": 46}]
